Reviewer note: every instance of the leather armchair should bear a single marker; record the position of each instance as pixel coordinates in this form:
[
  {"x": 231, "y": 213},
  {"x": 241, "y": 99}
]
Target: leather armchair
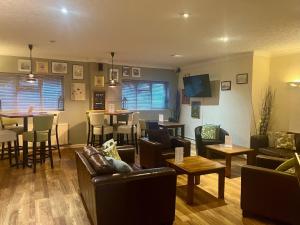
[
  {"x": 269, "y": 193},
  {"x": 201, "y": 143},
  {"x": 154, "y": 154},
  {"x": 135, "y": 198}
]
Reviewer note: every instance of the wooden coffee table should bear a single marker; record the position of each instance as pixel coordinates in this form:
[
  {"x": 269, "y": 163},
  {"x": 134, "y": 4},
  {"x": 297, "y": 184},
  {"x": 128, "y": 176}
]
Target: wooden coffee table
[
  {"x": 228, "y": 152},
  {"x": 194, "y": 166}
]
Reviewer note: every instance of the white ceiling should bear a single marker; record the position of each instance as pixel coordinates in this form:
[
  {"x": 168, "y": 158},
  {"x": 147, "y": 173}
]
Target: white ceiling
[{"x": 147, "y": 32}]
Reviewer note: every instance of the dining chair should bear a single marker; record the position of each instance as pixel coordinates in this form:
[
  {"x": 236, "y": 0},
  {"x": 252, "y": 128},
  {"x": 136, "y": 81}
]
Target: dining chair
[
  {"x": 129, "y": 129},
  {"x": 55, "y": 131},
  {"x": 99, "y": 128},
  {"x": 11, "y": 124},
  {"x": 41, "y": 133},
  {"x": 9, "y": 136}
]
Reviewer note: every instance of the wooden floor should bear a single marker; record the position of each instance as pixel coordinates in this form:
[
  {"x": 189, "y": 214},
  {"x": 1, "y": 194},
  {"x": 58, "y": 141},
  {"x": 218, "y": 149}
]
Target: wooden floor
[{"x": 51, "y": 197}]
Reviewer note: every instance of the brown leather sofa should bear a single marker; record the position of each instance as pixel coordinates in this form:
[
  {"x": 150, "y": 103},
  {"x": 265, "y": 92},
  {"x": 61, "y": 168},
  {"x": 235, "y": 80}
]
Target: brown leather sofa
[
  {"x": 153, "y": 154},
  {"x": 260, "y": 143},
  {"x": 141, "y": 197},
  {"x": 269, "y": 193}
]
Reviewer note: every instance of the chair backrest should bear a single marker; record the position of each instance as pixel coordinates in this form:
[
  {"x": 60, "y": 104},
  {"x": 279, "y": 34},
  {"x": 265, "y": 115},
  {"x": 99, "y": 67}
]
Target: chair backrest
[
  {"x": 152, "y": 125},
  {"x": 142, "y": 124},
  {"x": 96, "y": 119},
  {"x": 135, "y": 118},
  {"x": 56, "y": 118},
  {"x": 122, "y": 118},
  {"x": 8, "y": 121},
  {"x": 43, "y": 123}
]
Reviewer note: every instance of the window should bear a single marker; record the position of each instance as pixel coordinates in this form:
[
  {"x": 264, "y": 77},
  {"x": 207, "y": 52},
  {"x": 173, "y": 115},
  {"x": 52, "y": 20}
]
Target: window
[
  {"x": 145, "y": 95},
  {"x": 17, "y": 94}
]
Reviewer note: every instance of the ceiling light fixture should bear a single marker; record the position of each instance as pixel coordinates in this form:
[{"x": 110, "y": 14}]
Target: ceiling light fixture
[
  {"x": 64, "y": 10},
  {"x": 185, "y": 15},
  {"x": 224, "y": 39},
  {"x": 112, "y": 80},
  {"x": 30, "y": 78},
  {"x": 176, "y": 55}
]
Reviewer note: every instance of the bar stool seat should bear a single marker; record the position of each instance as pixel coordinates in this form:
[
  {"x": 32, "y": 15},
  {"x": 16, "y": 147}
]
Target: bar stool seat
[
  {"x": 126, "y": 129},
  {"x": 106, "y": 130},
  {"x": 18, "y": 129},
  {"x": 7, "y": 136}
]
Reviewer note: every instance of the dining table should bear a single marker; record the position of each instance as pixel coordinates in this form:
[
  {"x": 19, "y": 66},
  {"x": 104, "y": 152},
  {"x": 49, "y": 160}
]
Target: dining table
[
  {"x": 111, "y": 114},
  {"x": 24, "y": 116}
]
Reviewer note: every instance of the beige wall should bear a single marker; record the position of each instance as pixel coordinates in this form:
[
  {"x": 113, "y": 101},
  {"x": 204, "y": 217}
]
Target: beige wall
[
  {"x": 286, "y": 112},
  {"x": 74, "y": 113},
  {"x": 260, "y": 83},
  {"x": 234, "y": 110}
]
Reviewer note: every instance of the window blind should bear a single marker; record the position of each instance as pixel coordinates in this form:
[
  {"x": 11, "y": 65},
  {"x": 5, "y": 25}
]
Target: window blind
[
  {"x": 17, "y": 94},
  {"x": 145, "y": 95}
]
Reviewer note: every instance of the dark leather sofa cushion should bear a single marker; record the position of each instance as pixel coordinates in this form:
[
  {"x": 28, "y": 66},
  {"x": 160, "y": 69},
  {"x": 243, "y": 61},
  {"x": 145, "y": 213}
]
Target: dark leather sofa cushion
[
  {"x": 161, "y": 136},
  {"x": 97, "y": 161},
  {"x": 283, "y": 153}
]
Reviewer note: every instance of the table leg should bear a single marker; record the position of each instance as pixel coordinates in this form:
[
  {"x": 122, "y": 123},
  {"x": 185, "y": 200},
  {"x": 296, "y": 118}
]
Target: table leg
[
  {"x": 182, "y": 131},
  {"x": 197, "y": 180},
  {"x": 25, "y": 143},
  {"x": 228, "y": 166},
  {"x": 221, "y": 184},
  {"x": 176, "y": 131},
  {"x": 111, "y": 119},
  {"x": 190, "y": 190}
]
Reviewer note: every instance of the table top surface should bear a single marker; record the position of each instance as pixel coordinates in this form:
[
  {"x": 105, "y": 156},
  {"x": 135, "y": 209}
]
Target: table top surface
[
  {"x": 117, "y": 112},
  {"x": 235, "y": 149},
  {"x": 168, "y": 123},
  {"x": 195, "y": 164},
  {"x": 23, "y": 114}
]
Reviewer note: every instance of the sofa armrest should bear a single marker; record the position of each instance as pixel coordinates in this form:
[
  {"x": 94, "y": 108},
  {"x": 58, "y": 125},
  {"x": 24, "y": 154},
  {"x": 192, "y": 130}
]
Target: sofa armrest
[
  {"x": 147, "y": 195},
  {"x": 269, "y": 162},
  {"x": 180, "y": 142},
  {"x": 259, "y": 141},
  {"x": 270, "y": 193},
  {"x": 150, "y": 153},
  {"x": 127, "y": 153}
]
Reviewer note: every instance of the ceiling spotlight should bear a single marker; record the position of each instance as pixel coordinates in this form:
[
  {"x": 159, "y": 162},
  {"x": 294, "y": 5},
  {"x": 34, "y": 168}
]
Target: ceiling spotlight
[
  {"x": 185, "y": 15},
  {"x": 52, "y": 41},
  {"x": 224, "y": 39},
  {"x": 64, "y": 10},
  {"x": 176, "y": 55}
]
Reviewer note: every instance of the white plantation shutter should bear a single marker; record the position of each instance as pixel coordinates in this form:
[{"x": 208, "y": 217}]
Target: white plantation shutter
[
  {"x": 17, "y": 94},
  {"x": 145, "y": 95}
]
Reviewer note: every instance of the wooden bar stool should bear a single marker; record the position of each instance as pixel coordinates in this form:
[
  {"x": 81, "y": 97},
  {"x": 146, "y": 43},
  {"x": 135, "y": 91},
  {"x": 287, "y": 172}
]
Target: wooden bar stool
[
  {"x": 55, "y": 132},
  {"x": 99, "y": 127},
  {"x": 42, "y": 126}
]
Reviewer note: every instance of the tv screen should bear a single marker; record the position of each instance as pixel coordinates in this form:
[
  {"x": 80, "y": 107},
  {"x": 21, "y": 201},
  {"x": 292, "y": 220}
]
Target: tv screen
[{"x": 197, "y": 86}]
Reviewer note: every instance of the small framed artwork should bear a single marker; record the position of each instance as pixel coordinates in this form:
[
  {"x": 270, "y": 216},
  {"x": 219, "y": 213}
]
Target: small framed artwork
[
  {"x": 24, "y": 65},
  {"x": 77, "y": 72},
  {"x": 78, "y": 91},
  {"x": 195, "y": 110},
  {"x": 41, "y": 67},
  {"x": 126, "y": 71},
  {"x": 136, "y": 72},
  {"x": 99, "y": 100},
  {"x": 225, "y": 85},
  {"x": 242, "y": 78},
  {"x": 58, "y": 67},
  {"x": 99, "y": 81},
  {"x": 114, "y": 74}
]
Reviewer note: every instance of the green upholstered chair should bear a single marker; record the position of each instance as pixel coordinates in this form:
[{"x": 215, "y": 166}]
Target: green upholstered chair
[
  {"x": 42, "y": 126},
  {"x": 99, "y": 128}
]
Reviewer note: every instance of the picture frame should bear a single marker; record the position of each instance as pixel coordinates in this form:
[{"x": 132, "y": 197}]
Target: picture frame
[
  {"x": 24, "y": 65},
  {"x": 226, "y": 85},
  {"x": 59, "y": 67},
  {"x": 126, "y": 71},
  {"x": 78, "y": 92},
  {"x": 195, "y": 109},
  {"x": 99, "y": 81},
  {"x": 42, "y": 67},
  {"x": 242, "y": 78},
  {"x": 114, "y": 74},
  {"x": 136, "y": 72},
  {"x": 77, "y": 72}
]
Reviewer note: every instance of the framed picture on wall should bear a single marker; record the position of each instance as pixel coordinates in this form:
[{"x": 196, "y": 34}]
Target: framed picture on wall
[
  {"x": 58, "y": 67},
  {"x": 24, "y": 65},
  {"x": 41, "y": 67},
  {"x": 195, "y": 110},
  {"x": 78, "y": 91},
  {"x": 99, "y": 81},
  {"x": 242, "y": 78},
  {"x": 225, "y": 85},
  {"x": 136, "y": 72},
  {"x": 126, "y": 71},
  {"x": 77, "y": 72}
]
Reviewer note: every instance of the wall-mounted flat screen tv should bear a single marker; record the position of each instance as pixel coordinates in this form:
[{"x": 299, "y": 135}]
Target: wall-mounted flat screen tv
[{"x": 197, "y": 86}]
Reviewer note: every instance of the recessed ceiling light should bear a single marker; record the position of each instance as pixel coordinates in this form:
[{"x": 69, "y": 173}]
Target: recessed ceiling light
[
  {"x": 185, "y": 15},
  {"x": 176, "y": 55},
  {"x": 52, "y": 41},
  {"x": 224, "y": 39},
  {"x": 64, "y": 10}
]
